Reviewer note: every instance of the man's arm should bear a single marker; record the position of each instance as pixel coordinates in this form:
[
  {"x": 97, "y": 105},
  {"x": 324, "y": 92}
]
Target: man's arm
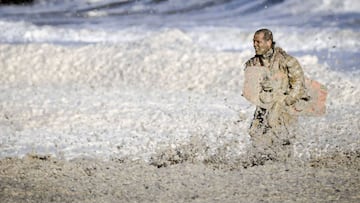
[{"x": 296, "y": 81}]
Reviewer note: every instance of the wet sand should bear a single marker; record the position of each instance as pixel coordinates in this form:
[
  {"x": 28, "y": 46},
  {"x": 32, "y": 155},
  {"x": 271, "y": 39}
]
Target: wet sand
[{"x": 35, "y": 178}]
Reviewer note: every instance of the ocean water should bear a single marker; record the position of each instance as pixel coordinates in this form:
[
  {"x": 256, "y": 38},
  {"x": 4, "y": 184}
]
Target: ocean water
[{"x": 131, "y": 79}]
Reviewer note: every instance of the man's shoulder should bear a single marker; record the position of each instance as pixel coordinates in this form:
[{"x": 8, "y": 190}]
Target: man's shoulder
[
  {"x": 282, "y": 54},
  {"x": 289, "y": 60},
  {"x": 251, "y": 61}
]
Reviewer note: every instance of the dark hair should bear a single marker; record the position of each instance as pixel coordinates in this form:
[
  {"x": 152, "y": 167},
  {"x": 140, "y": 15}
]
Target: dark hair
[{"x": 267, "y": 35}]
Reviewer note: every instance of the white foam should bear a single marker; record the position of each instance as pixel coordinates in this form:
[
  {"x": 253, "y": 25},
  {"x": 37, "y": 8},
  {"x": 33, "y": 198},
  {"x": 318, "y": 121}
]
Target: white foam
[
  {"x": 317, "y": 8},
  {"x": 135, "y": 99},
  {"x": 22, "y": 32}
]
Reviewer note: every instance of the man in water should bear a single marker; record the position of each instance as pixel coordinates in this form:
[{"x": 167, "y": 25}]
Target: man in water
[{"x": 277, "y": 93}]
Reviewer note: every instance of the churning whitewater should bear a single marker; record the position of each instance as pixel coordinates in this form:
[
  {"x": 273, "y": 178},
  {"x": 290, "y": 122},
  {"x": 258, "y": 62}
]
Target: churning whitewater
[
  {"x": 132, "y": 79},
  {"x": 141, "y": 101}
]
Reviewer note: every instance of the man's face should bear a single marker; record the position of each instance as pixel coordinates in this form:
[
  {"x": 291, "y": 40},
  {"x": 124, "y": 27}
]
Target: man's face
[{"x": 261, "y": 45}]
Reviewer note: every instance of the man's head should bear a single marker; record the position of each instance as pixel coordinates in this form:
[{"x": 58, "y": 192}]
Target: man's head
[{"x": 263, "y": 41}]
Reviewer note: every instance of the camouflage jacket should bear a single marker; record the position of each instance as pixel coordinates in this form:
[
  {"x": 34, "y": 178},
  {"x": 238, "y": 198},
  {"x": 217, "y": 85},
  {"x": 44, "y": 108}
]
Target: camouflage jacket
[{"x": 278, "y": 62}]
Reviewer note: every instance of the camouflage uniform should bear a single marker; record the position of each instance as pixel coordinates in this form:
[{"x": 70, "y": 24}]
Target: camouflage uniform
[{"x": 280, "y": 92}]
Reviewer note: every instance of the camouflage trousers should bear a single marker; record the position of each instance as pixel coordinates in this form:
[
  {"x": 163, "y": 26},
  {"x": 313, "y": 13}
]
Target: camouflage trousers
[
  {"x": 274, "y": 123},
  {"x": 272, "y": 132}
]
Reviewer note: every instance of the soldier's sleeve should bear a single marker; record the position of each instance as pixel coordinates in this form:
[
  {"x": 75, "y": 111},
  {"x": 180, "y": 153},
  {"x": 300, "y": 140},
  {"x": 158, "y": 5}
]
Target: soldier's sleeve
[
  {"x": 296, "y": 81},
  {"x": 251, "y": 62},
  {"x": 247, "y": 64}
]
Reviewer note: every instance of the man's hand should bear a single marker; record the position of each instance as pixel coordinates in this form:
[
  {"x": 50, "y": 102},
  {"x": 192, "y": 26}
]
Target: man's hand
[
  {"x": 266, "y": 85},
  {"x": 290, "y": 101}
]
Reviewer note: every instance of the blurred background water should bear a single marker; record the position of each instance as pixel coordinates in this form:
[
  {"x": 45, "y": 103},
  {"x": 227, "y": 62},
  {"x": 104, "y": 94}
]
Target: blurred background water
[{"x": 328, "y": 29}]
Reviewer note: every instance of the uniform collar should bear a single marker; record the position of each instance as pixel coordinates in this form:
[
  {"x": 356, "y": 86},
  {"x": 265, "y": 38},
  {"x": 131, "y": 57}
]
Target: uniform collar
[{"x": 268, "y": 54}]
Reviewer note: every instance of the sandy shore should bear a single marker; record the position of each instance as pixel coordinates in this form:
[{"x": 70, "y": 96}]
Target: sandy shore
[{"x": 34, "y": 178}]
